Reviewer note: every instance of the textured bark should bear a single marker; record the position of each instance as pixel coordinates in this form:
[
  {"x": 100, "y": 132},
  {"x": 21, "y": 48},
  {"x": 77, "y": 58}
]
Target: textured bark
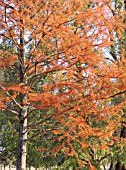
[
  {"x": 22, "y": 138},
  {"x": 21, "y": 159}
]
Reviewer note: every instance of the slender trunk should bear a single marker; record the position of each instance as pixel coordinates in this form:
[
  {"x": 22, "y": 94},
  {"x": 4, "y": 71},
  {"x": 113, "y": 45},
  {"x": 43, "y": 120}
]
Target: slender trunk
[
  {"x": 22, "y": 138},
  {"x": 22, "y": 143}
]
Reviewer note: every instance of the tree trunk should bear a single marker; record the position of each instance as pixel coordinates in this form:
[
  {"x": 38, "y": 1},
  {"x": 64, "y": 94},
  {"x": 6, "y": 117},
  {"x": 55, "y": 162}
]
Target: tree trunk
[
  {"x": 21, "y": 159},
  {"x": 22, "y": 138},
  {"x": 119, "y": 166}
]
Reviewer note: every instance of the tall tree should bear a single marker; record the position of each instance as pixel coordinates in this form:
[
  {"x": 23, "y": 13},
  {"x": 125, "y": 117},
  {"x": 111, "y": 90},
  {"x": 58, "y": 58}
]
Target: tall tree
[{"x": 61, "y": 42}]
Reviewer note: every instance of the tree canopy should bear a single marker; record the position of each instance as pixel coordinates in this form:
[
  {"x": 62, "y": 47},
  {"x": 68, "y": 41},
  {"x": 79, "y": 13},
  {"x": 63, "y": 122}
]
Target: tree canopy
[{"x": 55, "y": 68}]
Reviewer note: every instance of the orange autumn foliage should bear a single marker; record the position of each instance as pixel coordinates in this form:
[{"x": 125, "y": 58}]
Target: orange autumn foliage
[{"x": 57, "y": 61}]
